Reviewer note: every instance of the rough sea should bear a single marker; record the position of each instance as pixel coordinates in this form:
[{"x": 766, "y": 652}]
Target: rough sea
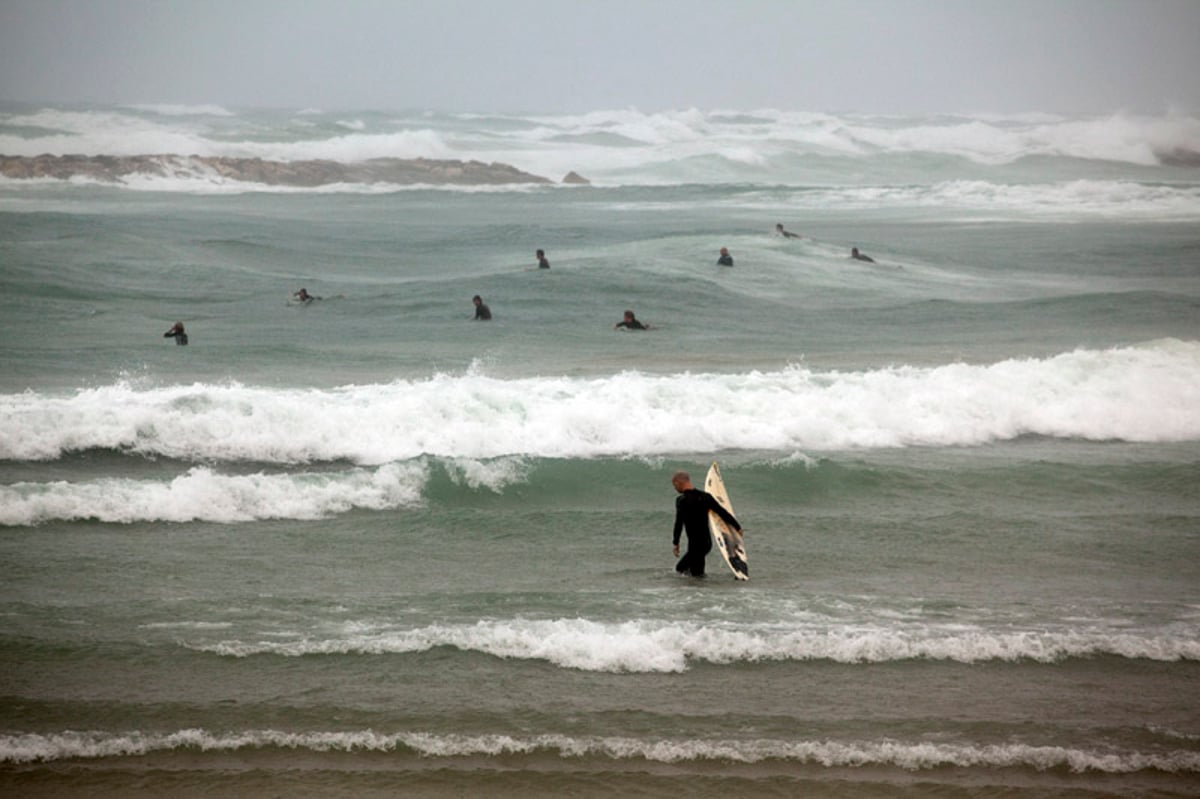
[{"x": 370, "y": 547}]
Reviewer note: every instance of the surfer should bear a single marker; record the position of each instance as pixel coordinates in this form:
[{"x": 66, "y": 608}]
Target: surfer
[
  {"x": 482, "y": 312},
  {"x": 542, "y": 262},
  {"x": 858, "y": 256},
  {"x": 691, "y": 512},
  {"x": 726, "y": 259},
  {"x": 787, "y": 234},
  {"x": 176, "y": 332},
  {"x": 630, "y": 322},
  {"x": 303, "y": 296}
]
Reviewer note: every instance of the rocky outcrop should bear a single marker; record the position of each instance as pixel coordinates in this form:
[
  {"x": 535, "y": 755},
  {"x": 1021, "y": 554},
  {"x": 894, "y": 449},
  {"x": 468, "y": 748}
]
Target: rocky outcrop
[
  {"x": 115, "y": 169},
  {"x": 575, "y": 179}
]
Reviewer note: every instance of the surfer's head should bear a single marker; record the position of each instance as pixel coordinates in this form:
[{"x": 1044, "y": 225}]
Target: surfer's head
[{"x": 682, "y": 481}]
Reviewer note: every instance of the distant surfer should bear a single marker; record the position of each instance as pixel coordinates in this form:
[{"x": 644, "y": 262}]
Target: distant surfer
[
  {"x": 726, "y": 259},
  {"x": 858, "y": 256},
  {"x": 303, "y": 296},
  {"x": 691, "y": 513},
  {"x": 482, "y": 312},
  {"x": 541, "y": 258},
  {"x": 787, "y": 234},
  {"x": 630, "y": 322},
  {"x": 176, "y": 332}
]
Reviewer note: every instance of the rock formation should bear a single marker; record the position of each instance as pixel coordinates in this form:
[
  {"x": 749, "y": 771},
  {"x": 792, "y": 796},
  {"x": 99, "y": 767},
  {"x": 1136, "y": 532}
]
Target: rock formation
[{"x": 115, "y": 169}]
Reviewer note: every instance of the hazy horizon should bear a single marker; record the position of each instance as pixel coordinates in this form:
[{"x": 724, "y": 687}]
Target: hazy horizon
[{"x": 534, "y": 56}]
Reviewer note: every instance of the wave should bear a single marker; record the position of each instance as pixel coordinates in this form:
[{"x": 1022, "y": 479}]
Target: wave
[
  {"x": 1034, "y": 201},
  {"x": 631, "y": 147},
  {"x": 908, "y": 755},
  {"x": 669, "y": 647},
  {"x": 202, "y": 494},
  {"x": 1148, "y": 393}
]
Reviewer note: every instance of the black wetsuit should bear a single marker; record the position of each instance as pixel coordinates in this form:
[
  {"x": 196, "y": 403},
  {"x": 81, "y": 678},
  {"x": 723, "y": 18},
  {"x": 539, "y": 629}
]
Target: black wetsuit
[
  {"x": 177, "y": 334},
  {"x": 483, "y": 312},
  {"x": 543, "y": 263},
  {"x": 632, "y": 324},
  {"x": 725, "y": 260},
  {"x": 691, "y": 512}
]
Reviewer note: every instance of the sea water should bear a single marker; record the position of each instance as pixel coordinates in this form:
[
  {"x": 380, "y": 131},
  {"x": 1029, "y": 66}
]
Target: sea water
[{"x": 368, "y": 546}]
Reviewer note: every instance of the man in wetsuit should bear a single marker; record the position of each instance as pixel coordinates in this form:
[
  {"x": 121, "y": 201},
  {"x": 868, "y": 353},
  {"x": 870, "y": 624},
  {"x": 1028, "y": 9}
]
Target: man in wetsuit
[
  {"x": 630, "y": 322},
  {"x": 542, "y": 262},
  {"x": 176, "y": 332},
  {"x": 860, "y": 256},
  {"x": 726, "y": 259},
  {"x": 691, "y": 513},
  {"x": 482, "y": 312}
]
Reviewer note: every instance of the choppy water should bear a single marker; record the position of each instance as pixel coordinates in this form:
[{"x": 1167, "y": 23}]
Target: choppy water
[{"x": 368, "y": 546}]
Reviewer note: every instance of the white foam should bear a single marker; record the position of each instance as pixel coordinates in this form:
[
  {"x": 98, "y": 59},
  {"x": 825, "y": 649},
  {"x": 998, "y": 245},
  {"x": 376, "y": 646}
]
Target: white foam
[
  {"x": 1074, "y": 198},
  {"x": 120, "y": 134},
  {"x": 911, "y": 756},
  {"x": 625, "y": 146},
  {"x": 204, "y": 495},
  {"x": 1148, "y": 393},
  {"x": 644, "y": 646}
]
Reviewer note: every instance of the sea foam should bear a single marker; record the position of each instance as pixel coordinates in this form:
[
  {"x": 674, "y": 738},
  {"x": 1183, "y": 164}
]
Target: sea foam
[
  {"x": 204, "y": 495},
  {"x": 908, "y": 755},
  {"x": 1147, "y": 393},
  {"x": 645, "y": 646}
]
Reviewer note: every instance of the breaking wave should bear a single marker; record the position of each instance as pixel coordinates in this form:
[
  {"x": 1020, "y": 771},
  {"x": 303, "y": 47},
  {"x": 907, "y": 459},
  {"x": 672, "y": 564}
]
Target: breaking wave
[
  {"x": 1147, "y": 393},
  {"x": 908, "y": 755}
]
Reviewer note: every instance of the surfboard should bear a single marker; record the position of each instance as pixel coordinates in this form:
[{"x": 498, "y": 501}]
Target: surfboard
[{"x": 728, "y": 540}]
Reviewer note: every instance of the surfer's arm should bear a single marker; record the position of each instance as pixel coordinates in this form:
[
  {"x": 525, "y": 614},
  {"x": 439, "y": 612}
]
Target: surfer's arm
[{"x": 715, "y": 506}]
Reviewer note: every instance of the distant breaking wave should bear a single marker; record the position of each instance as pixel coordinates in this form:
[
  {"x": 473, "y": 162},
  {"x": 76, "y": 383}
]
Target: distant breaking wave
[
  {"x": 908, "y": 755},
  {"x": 1147, "y": 393},
  {"x": 630, "y": 147}
]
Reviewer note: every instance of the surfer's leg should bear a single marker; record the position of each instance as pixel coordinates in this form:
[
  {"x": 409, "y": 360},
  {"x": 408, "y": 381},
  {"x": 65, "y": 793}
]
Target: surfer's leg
[{"x": 691, "y": 563}]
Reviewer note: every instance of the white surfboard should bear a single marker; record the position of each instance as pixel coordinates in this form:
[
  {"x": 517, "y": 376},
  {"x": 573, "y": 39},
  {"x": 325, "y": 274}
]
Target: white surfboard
[{"x": 728, "y": 540}]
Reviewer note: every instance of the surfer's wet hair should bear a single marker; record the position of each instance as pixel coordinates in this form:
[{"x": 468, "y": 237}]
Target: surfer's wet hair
[{"x": 680, "y": 477}]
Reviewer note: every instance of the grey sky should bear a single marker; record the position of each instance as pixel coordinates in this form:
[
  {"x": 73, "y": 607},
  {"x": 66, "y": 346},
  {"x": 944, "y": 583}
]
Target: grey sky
[{"x": 578, "y": 55}]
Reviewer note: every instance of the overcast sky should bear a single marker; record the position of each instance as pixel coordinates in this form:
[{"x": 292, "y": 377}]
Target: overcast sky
[{"x": 885, "y": 56}]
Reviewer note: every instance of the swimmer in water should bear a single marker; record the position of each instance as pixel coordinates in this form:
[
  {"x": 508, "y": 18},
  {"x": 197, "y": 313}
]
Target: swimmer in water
[
  {"x": 630, "y": 322},
  {"x": 176, "y": 332},
  {"x": 482, "y": 312}
]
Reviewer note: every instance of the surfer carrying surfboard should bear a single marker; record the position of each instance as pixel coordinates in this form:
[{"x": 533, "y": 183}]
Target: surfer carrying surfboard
[{"x": 691, "y": 513}]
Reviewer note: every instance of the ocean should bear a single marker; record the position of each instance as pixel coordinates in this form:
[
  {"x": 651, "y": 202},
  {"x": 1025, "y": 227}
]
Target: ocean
[{"x": 367, "y": 546}]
